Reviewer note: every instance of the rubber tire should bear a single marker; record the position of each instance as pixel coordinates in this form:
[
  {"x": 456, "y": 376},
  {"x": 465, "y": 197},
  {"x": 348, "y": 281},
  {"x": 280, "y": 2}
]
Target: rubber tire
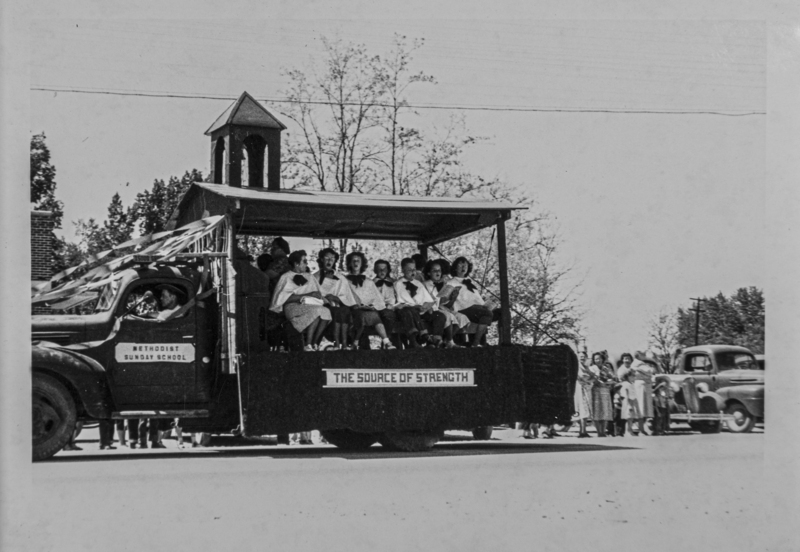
[
  {"x": 706, "y": 427},
  {"x": 411, "y": 440},
  {"x": 53, "y": 416},
  {"x": 482, "y": 433},
  {"x": 346, "y": 439},
  {"x": 748, "y": 422}
]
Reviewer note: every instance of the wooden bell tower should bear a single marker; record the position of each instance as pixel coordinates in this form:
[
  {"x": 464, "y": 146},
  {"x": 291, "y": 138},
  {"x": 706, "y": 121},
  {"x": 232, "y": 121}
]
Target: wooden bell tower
[{"x": 246, "y": 130}]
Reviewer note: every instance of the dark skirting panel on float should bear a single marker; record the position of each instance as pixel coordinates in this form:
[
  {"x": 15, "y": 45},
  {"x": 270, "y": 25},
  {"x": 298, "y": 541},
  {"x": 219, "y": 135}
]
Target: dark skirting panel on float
[{"x": 286, "y": 392}]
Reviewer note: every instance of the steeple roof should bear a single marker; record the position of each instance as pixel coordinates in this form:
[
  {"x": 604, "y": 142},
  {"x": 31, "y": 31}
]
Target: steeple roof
[{"x": 246, "y": 111}]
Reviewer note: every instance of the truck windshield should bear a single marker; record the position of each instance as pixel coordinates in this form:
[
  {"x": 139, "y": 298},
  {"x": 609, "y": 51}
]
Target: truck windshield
[{"x": 736, "y": 361}]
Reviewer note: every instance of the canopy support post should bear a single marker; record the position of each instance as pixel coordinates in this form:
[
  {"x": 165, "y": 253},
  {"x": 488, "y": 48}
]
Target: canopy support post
[
  {"x": 505, "y": 304},
  {"x": 423, "y": 250}
]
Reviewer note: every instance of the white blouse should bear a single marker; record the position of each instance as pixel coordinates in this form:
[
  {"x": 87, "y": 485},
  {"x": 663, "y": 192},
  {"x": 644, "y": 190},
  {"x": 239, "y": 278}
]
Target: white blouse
[
  {"x": 404, "y": 297},
  {"x": 466, "y": 298},
  {"x": 286, "y": 287},
  {"x": 337, "y": 286},
  {"x": 387, "y": 292},
  {"x": 368, "y": 294}
]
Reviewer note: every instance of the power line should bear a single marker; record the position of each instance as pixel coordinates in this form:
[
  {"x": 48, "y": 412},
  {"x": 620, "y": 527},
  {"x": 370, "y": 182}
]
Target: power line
[{"x": 411, "y": 106}]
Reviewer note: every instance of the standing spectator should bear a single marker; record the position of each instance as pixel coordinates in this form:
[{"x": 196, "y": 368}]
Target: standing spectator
[
  {"x": 70, "y": 446},
  {"x": 583, "y": 393},
  {"x": 644, "y": 370},
  {"x": 630, "y": 406},
  {"x": 106, "y": 429},
  {"x": 151, "y": 429},
  {"x": 662, "y": 393},
  {"x": 530, "y": 430},
  {"x": 133, "y": 432},
  {"x": 602, "y": 409}
]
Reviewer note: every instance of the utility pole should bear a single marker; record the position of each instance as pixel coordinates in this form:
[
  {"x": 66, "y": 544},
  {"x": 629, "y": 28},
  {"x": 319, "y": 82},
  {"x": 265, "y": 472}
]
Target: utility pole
[{"x": 697, "y": 311}]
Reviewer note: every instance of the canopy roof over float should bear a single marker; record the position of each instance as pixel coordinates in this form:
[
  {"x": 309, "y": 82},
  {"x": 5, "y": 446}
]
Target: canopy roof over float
[{"x": 323, "y": 215}]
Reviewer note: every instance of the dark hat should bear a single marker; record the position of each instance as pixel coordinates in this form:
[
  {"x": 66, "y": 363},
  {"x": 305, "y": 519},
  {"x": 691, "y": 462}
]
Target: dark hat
[{"x": 179, "y": 293}]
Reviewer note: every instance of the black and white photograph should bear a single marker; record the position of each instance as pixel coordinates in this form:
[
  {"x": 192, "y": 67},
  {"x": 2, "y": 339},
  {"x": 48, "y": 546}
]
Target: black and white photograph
[{"x": 383, "y": 276}]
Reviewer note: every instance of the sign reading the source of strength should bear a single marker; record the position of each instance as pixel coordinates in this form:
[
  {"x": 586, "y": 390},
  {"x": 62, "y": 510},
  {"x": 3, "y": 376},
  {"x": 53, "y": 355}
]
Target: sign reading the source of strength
[
  {"x": 154, "y": 352},
  {"x": 379, "y": 377}
]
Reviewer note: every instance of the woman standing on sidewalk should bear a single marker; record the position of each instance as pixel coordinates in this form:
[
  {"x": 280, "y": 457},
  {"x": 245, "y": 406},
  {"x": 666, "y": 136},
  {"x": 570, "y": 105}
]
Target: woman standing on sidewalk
[
  {"x": 645, "y": 369},
  {"x": 602, "y": 408},
  {"x": 583, "y": 393}
]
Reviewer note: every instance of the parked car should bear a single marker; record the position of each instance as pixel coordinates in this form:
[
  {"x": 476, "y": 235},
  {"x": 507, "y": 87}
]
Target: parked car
[{"x": 730, "y": 387}]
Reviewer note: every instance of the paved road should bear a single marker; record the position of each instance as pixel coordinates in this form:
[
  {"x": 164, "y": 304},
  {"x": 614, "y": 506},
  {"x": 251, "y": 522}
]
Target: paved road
[{"x": 680, "y": 492}]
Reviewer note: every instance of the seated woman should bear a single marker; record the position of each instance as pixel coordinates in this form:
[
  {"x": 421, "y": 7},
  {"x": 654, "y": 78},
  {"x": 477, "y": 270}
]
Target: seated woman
[
  {"x": 436, "y": 284},
  {"x": 415, "y": 307},
  {"x": 385, "y": 283},
  {"x": 468, "y": 301},
  {"x": 370, "y": 300},
  {"x": 299, "y": 297},
  {"x": 336, "y": 290}
]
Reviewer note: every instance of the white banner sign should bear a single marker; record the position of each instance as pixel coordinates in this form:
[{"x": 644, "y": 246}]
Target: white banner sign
[
  {"x": 393, "y": 377},
  {"x": 154, "y": 352}
]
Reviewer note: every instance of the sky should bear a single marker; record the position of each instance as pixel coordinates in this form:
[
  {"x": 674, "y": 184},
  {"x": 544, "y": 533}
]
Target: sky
[{"x": 644, "y": 139}]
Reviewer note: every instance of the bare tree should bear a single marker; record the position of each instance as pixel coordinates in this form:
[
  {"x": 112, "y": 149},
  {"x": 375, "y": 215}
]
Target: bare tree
[{"x": 663, "y": 337}]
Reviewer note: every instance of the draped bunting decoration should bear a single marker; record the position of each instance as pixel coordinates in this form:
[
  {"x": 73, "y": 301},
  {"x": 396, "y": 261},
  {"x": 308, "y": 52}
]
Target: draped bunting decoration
[{"x": 66, "y": 286}]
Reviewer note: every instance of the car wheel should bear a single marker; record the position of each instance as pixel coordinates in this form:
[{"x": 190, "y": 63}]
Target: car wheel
[
  {"x": 53, "y": 416},
  {"x": 410, "y": 440},
  {"x": 742, "y": 422},
  {"x": 346, "y": 439},
  {"x": 482, "y": 433}
]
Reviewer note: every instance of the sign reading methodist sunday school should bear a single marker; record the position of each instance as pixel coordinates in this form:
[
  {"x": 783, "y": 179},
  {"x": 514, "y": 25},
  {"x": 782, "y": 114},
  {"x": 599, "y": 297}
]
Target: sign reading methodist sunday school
[
  {"x": 154, "y": 352},
  {"x": 376, "y": 377}
]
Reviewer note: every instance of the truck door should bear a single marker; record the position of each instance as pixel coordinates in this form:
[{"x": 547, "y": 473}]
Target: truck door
[
  {"x": 700, "y": 367},
  {"x": 156, "y": 362}
]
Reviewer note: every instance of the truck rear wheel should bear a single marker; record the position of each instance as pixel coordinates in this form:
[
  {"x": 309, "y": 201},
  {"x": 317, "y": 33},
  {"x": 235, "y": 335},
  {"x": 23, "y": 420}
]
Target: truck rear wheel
[
  {"x": 743, "y": 421},
  {"x": 482, "y": 433},
  {"x": 54, "y": 416},
  {"x": 410, "y": 440},
  {"x": 346, "y": 439}
]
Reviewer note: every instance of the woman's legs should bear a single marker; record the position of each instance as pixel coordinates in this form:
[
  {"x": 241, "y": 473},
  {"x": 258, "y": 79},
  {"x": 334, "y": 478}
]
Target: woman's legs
[
  {"x": 311, "y": 332},
  {"x": 600, "y": 427},
  {"x": 480, "y": 331},
  {"x": 321, "y": 325}
]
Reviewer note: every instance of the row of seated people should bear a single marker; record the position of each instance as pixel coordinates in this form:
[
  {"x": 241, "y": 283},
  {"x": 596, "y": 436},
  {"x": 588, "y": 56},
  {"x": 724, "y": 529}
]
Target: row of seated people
[{"x": 432, "y": 305}]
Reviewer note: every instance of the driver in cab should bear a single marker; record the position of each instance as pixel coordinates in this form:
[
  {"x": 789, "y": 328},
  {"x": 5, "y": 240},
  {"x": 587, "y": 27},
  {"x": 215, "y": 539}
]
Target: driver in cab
[{"x": 171, "y": 299}]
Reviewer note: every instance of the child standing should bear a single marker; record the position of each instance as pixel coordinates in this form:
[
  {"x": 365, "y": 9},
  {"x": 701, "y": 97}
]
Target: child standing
[
  {"x": 661, "y": 395},
  {"x": 630, "y": 406}
]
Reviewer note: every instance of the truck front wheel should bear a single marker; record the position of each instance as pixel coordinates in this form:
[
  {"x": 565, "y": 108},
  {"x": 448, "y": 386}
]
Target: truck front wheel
[
  {"x": 346, "y": 439},
  {"x": 54, "y": 416},
  {"x": 743, "y": 421},
  {"x": 410, "y": 441}
]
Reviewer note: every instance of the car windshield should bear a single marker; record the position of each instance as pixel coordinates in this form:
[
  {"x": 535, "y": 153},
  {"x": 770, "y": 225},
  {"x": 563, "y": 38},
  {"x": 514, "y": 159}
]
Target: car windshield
[{"x": 736, "y": 361}]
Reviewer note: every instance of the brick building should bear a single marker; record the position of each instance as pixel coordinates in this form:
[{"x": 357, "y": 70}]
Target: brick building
[{"x": 42, "y": 244}]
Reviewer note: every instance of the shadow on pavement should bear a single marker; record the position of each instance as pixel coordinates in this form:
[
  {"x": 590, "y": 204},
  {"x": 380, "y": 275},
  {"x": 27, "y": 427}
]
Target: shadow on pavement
[{"x": 239, "y": 448}]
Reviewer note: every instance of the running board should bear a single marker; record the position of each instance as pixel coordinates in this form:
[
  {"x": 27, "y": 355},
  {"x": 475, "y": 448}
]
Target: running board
[{"x": 159, "y": 414}]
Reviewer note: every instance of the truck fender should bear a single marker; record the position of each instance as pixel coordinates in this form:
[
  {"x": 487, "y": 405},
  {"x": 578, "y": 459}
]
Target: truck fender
[
  {"x": 750, "y": 396},
  {"x": 84, "y": 377},
  {"x": 707, "y": 396}
]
